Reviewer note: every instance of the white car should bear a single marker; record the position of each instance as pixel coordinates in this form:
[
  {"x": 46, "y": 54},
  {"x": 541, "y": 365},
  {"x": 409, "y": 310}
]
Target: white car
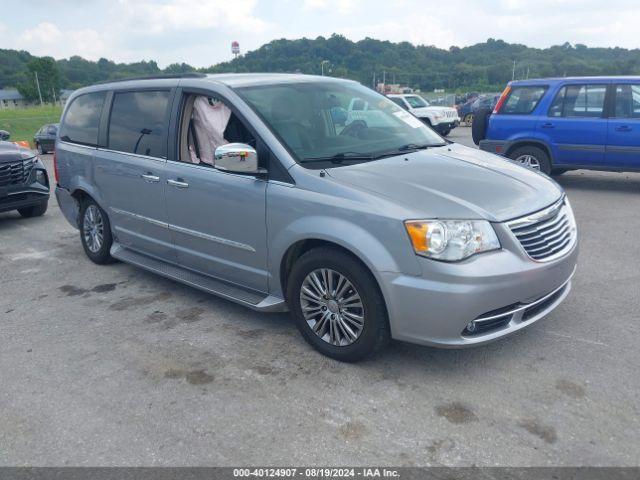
[{"x": 441, "y": 119}]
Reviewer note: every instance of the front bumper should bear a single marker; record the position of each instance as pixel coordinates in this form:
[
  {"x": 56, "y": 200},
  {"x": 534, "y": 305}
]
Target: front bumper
[
  {"x": 25, "y": 195},
  {"x": 503, "y": 291},
  {"x": 499, "y": 147}
]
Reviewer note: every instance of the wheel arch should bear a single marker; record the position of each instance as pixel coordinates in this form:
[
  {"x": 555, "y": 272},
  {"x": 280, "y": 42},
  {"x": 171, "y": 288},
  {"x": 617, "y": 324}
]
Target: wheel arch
[{"x": 530, "y": 143}]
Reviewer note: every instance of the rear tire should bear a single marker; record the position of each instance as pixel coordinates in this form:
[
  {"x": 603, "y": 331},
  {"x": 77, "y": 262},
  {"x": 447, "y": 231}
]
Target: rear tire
[
  {"x": 36, "y": 211},
  {"x": 558, "y": 171},
  {"x": 444, "y": 133},
  {"x": 95, "y": 233},
  {"x": 479, "y": 125},
  {"x": 531, "y": 156},
  {"x": 367, "y": 327}
]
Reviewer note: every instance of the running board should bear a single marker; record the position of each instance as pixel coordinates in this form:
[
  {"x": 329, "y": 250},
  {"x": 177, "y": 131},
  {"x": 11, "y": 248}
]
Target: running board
[{"x": 254, "y": 300}]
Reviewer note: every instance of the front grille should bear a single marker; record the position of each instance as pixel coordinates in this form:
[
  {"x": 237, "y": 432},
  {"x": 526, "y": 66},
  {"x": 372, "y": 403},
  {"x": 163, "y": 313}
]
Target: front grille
[
  {"x": 546, "y": 234},
  {"x": 15, "y": 173},
  {"x": 451, "y": 114}
]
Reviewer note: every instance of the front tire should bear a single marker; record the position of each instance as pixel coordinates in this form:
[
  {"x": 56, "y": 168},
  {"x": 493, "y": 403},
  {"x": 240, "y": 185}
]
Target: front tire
[
  {"x": 40, "y": 149},
  {"x": 532, "y": 157},
  {"x": 468, "y": 119},
  {"x": 337, "y": 305},
  {"x": 36, "y": 211},
  {"x": 95, "y": 233}
]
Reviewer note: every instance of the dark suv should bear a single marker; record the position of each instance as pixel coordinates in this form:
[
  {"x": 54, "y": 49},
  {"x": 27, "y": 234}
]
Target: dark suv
[
  {"x": 563, "y": 124},
  {"x": 24, "y": 183}
]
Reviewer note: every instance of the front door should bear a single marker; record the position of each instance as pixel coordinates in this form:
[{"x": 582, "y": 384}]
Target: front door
[
  {"x": 216, "y": 218},
  {"x": 131, "y": 172},
  {"x": 218, "y": 223},
  {"x": 623, "y": 140},
  {"x": 575, "y": 126}
]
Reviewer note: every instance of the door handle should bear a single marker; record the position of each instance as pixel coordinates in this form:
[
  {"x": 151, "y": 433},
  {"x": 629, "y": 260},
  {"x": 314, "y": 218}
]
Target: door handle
[
  {"x": 623, "y": 128},
  {"x": 150, "y": 178},
  {"x": 178, "y": 183},
  {"x": 547, "y": 125}
]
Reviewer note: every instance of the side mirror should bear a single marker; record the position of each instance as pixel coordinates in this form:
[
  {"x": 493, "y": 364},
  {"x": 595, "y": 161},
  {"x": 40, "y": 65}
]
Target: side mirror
[
  {"x": 4, "y": 135},
  {"x": 237, "y": 157}
]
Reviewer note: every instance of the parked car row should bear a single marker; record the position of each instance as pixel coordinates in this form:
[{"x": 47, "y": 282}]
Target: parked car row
[{"x": 467, "y": 110}]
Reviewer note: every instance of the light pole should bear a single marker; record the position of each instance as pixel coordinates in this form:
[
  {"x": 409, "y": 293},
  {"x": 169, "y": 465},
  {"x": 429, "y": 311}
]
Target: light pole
[{"x": 322, "y": 66}]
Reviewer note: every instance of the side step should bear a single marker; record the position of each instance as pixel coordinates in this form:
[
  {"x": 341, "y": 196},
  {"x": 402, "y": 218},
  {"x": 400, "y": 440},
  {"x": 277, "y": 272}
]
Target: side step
[{"x": 254, "y": 300}]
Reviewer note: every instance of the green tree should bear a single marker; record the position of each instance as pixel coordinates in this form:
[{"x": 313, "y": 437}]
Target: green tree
[{"x": 48, "y": 77}]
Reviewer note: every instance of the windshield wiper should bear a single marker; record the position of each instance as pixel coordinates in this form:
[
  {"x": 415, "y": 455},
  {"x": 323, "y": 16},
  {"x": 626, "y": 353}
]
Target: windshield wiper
[
  {"x": 339, "y": 158},
  {"x": 409, "y": 147}
]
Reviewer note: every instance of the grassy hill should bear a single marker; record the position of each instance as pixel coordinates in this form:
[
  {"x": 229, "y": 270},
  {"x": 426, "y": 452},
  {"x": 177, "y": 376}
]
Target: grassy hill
[{"x": 486, "y": 66}]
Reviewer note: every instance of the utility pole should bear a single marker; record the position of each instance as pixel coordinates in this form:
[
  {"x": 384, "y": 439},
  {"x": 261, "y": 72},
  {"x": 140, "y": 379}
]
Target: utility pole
[
  {"x": 322, "y": 66},
  {"x": 53, "y": 92},
  {"x": 513, "y": 74},
  {"x": 384, "y": 77},
  {"x": 38, "y": 85}
]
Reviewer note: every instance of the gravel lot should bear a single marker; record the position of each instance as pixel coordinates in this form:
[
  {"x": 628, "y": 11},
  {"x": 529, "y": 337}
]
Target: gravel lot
[{"x": 115, "y": 366}]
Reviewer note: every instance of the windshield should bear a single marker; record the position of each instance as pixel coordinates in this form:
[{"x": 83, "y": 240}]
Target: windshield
[
  {"x": 416, "y": 102},
  {"x": 337, "y": 121}
]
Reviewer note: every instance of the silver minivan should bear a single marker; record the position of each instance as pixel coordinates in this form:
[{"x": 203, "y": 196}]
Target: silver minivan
[{"x": 266, "y": 190}]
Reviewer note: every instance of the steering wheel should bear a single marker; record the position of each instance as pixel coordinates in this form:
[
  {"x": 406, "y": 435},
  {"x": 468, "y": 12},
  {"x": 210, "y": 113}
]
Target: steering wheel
[{"x": 354, "y": 128}]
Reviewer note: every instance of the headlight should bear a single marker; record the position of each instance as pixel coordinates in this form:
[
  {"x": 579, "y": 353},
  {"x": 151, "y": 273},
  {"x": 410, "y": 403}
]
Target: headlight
[{"x": 451, "y": 240}]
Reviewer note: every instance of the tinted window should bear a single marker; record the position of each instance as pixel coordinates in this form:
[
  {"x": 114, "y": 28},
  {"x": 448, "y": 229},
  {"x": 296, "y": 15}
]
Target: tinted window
[
  {"x": 82, "y": 119},
  {"x": 523, "y": 100},
  {"x": 138, "y": 123},
  {"x": 579, "y": 101},
  {"x": 628, "y": 101}
]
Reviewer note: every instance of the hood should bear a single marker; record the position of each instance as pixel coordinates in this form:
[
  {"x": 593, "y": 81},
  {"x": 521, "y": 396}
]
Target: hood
[
  {"x": 454, "y": 182},
  {"x": 10, "y": 152}
]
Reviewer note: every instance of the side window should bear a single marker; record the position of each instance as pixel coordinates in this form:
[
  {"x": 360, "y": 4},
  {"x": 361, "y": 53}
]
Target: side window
[
  {"x": 579, "y": 101},
  {"x": 627, "y": 101},
  {"x": 82, "y": 119},
  {"x": 206, "y": 124},
  {"x": 138, "y": 123},
  {"x": 398, "y": 101},
  {"x": 523, "y": 100}
]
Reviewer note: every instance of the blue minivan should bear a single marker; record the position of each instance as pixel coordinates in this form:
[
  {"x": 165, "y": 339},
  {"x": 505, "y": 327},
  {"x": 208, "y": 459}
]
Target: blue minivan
[{"x": 561, "y": 124}]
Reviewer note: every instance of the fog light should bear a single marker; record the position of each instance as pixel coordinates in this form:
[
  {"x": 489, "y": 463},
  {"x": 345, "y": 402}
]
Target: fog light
[
  {"x": 41, "y": 177},
  {"x": 471, "y": 327}
]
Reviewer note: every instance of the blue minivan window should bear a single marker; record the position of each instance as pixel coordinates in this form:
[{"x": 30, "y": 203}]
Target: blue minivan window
[
  {"x": 523, "y": 100},
  {"x": 627, "y": 101},
  {"x": 579, "y": 101}
]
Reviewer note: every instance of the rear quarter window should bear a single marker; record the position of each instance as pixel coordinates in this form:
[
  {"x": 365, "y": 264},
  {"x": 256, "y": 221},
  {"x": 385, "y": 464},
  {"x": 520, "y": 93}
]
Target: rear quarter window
[
  {"x": 523, "y": 100},
  {"x": 83, "y": 118}
]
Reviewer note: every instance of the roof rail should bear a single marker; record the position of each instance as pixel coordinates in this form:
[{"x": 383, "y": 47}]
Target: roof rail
[{"x": 155, "y": 77}]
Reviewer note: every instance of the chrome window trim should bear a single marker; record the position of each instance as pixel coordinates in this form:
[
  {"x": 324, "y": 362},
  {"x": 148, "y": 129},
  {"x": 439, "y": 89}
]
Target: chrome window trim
[
  {"x": 138, "y": 155},
  {"x": 64, "y": 142}
]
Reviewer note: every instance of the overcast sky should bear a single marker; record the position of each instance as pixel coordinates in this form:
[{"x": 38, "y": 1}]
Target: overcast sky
[{"x": 199, "y": 32}]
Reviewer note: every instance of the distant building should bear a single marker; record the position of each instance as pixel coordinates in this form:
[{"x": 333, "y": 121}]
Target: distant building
[{"x": 11, "y": 98}]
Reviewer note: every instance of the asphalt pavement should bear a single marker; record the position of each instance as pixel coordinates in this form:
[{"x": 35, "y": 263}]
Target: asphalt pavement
[{"x": 110, "y": 365}]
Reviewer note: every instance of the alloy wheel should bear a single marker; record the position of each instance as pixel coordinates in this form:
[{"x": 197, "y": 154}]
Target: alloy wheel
[
  {"x": 93, "y": 228},
  {"x": 332, "y": 307},
  {"x": 528, "y": 161}
]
